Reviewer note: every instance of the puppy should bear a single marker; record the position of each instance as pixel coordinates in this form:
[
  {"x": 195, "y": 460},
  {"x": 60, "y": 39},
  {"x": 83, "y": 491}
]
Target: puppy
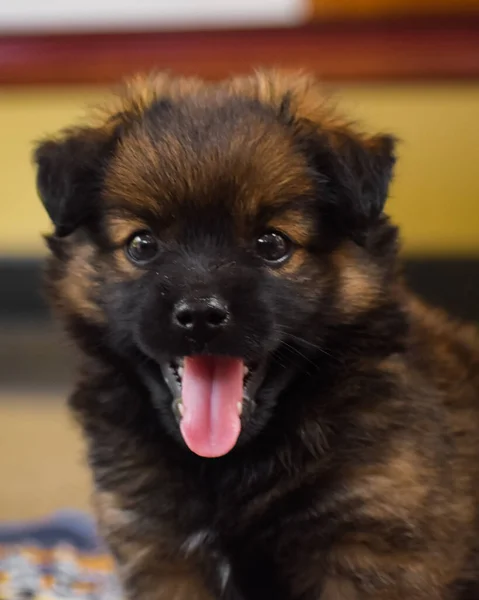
[{"x": 269, "y": 413}]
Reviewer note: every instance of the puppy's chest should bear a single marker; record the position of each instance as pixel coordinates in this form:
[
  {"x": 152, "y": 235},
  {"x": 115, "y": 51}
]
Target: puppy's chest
[
  {"x": 237, "y": 550},
  {"x": 236, "y": 569}
]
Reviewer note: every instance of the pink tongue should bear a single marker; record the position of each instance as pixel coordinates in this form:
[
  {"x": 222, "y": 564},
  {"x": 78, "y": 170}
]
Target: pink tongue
[{"x": 212, "y": 388}]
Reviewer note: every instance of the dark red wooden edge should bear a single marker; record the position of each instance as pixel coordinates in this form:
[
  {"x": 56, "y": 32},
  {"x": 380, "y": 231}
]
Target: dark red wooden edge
[{"x": 424, "y": 49}]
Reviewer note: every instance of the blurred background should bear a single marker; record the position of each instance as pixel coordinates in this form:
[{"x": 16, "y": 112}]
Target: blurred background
[{"x": 406, "y": 66}]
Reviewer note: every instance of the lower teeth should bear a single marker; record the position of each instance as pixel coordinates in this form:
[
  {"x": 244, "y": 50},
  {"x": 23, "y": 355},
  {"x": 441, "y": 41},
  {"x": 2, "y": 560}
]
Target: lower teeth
[{"x": 179, "y": 407}]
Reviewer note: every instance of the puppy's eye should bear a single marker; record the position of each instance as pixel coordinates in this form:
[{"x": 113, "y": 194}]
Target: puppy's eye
[
  {"x": 142, "y": 247},
  {"x": 274, "y": 247}
]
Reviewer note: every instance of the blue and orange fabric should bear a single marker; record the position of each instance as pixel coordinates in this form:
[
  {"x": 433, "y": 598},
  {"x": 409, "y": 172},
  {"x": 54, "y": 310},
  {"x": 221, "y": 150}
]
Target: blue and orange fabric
[{"x": 57, "y": 558}]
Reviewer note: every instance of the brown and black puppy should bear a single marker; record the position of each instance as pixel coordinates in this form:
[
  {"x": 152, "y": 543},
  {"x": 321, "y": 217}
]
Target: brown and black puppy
[{"x": 269, "y": 413}]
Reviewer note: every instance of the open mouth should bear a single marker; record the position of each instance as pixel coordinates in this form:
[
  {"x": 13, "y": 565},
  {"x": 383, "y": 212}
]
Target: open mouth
[{"x": 211, "y": 393}]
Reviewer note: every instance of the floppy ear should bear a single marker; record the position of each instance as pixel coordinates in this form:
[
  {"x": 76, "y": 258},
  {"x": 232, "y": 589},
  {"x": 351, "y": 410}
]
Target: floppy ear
[
  {"x": 69, "y": 175},
  {"x": 363, "y": 172},
  {"x": 370, "y": 162},
  {"x": 354, "y": 172}
]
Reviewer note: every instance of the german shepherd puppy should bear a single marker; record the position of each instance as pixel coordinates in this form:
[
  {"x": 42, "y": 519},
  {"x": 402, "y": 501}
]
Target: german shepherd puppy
[{"x": 269, "y": 413}]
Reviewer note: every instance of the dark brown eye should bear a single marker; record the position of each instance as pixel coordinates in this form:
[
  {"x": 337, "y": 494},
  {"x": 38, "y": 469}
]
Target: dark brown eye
[
  {"x": 142, "y": 247},
  {"x": 274, "y": 247}
]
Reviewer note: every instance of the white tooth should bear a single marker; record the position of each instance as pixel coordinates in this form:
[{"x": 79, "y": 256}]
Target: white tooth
[
  {"x": 181, "y": 408},
  {"x": 181, "y": 371},
  {"x": 239, "y": 407},
  {"x": 181, "y": 361},
  {"x": 245, "y": 371}
]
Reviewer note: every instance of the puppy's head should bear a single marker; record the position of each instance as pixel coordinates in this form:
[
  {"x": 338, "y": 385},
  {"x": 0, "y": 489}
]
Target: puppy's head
[{"x": 210, "y": 234}]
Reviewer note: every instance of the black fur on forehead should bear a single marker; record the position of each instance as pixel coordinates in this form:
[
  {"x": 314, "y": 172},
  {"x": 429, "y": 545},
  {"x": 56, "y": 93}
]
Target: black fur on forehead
[{"x": 354, "y": 170}]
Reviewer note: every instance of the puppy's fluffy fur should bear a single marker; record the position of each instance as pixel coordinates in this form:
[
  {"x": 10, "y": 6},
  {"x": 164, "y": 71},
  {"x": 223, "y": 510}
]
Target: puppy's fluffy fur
[{"x": 355, "y": 475}]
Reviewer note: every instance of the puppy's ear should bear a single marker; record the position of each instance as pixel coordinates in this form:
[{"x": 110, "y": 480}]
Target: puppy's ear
[
  {"x": 69, "y": 175},
  {"x": 362, "y": 171},
  {"x": 354, "y": 173}
]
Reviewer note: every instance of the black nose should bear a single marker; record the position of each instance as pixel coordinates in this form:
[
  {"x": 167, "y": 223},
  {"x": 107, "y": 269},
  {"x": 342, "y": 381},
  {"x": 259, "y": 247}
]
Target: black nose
[{"x": 201, "y": 318}]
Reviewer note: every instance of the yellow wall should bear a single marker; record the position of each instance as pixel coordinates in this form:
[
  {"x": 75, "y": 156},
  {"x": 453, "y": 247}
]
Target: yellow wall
[{"x": 435, "y": 196}]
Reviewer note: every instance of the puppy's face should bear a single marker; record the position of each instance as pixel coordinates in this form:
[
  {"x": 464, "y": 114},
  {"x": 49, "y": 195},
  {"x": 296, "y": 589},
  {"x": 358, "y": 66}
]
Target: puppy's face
[{"x": 210, "y": 235}]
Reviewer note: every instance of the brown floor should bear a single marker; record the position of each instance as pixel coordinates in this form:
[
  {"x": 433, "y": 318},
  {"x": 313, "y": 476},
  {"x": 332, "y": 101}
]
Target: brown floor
[{"x": 41, "y": 457}]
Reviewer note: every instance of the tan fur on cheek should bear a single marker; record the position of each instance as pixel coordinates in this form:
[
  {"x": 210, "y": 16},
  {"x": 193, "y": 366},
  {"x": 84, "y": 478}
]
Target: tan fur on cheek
[
  {"x": 294, "y": 263},
  {"x": 358, "y": 280},
  {"x": 307, "y": 274},
  {"x": 124, "y": 268},
  {"x": 76, "y": 290}
]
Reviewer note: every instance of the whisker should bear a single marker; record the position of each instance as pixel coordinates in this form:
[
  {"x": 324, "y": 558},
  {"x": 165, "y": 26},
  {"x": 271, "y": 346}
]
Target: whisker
[
  {"x": 301, "y": 355},
  {"x": 301, "y": 340},
  {"x": 277, "y": 352}
]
